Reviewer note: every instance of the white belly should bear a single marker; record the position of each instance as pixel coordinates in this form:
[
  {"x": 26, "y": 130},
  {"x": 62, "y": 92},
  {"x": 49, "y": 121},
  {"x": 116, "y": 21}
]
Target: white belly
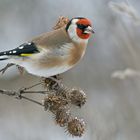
[
  {"x": 39, "y": 64},
  {"x": 44, "y": 72}
]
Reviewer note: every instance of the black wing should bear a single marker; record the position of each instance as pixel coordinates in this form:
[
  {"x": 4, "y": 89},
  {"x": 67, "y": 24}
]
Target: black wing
[{"x": 23, "y": 50}]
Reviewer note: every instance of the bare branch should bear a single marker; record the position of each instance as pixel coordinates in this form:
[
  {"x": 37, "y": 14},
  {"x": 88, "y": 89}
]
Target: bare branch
[
  {"x": 58, "y": 101},
  {"x": 8, "y": 92},
  {"x": 30, "y": 87},
  {"x": 31, "y": 100},
  {"x": 18, "y": 95}
]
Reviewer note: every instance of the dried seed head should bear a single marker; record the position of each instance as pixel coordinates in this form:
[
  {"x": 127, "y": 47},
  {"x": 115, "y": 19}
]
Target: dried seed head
[
  {"x": 63, "y": 91},
  {"x": 46, "y": 103},
  {"x": 76, "y": 127},
  {"x": 54, "y": 102},
  {"x": 62, "y": 21},
  {"x": 78, "y": 97},
  {"x": 62, "y": 117}
]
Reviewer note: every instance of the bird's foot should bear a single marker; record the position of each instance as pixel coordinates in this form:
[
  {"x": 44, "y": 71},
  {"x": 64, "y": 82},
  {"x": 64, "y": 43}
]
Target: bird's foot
[
  {"x": 3, "y": 70},
  {"x": 20, "y": 69},
  {"x": 52, "y": 83}
]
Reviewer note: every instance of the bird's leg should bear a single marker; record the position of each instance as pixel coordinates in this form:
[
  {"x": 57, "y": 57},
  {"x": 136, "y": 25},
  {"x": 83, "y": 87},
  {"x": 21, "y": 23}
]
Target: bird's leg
[
  {"x": 6, "y": 67},
  {"x": 55, "y": 78},
  {"x": 57, "y": 82},
  {"x": 53, "y": 82}
]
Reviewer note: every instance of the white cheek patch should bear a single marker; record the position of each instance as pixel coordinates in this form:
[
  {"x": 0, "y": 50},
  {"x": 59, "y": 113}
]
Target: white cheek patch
[
  {"x": 74, "y": 21},
  {"x": 73, "y": 33}
]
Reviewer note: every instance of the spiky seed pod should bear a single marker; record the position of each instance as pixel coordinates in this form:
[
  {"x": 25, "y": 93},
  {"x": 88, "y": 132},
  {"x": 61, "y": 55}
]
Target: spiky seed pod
[
  {"x": 54, "y": 102},
  {"x": 64, "y": 92},
  {"x": 62, "y": 21},
  {"x": 62, "y": 116},
  {"x": 78, "y": 97},
  {"x": 76, "y": 127},
  {"x": 46, "y": 103}
]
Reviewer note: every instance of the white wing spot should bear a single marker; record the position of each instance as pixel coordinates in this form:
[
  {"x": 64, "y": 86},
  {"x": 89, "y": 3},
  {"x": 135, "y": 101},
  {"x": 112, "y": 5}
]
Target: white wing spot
[
  {"x": 29, "y": 43},
  {"x": 21, "y": 47},
  {"x": 4, "y": 52},
  {"x": 10, "y": 52},
  {"x": 14, "y": 51}
]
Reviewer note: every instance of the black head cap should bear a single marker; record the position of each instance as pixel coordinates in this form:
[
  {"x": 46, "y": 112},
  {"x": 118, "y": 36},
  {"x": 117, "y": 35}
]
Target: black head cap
[{"x": 69, "y": 23}]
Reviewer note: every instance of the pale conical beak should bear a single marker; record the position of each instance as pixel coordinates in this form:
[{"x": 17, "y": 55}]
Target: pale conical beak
[{"x": 89, "y": 30}]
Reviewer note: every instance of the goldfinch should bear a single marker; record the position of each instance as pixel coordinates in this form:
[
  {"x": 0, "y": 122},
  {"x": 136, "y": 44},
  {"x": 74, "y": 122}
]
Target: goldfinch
[{"x": 54, "y": 52}]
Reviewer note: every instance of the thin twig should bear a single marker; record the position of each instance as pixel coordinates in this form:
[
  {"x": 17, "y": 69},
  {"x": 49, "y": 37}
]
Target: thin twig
[
  {"x": 31, "y": 100},
  {"x": 41, "y": 92},
  {"x": 18, "y": 94},
  {"x": 32, "y": 86}
]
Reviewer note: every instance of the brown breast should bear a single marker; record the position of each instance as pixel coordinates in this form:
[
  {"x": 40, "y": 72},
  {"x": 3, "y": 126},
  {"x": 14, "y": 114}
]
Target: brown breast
[
  {"x": 76, "y": 53},
  {"x": 55, "y": 39}
]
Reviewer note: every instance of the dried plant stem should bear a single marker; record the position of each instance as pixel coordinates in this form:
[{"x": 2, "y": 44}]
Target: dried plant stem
[
  {"x": 19, "y": 94},
  {"x": 58, "y": 100},
  {"x": 31, "y": 100},
  {"x": 32, "y": 86},
  {"x": 41, "y": 92}
]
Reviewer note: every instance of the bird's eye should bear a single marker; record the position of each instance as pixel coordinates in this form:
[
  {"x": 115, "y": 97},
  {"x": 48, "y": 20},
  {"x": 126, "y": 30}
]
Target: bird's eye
[{"x": 81, "y": 26}]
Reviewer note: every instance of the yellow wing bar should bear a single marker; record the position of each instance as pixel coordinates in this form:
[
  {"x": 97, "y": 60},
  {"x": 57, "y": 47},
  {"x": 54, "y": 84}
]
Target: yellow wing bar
[{"x": 26, "y": 54}]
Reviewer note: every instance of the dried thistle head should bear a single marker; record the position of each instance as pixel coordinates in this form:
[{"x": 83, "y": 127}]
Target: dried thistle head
[
  {"x": 46, "y": 103},
  {"x": 64, "y": 92},
  {"x": 78, "y": 97},
  {"x": 76, "y": 127},
  {"x": 62, "y": 116},
  {"x": 62, "y": 21},
  {"x": 53, "y": 102}
]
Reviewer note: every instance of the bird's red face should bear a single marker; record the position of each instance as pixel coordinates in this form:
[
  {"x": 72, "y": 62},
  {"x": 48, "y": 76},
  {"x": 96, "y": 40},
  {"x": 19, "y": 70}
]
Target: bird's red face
[
  {"x": 79, "y": 29},
  {"x": 84, "y": 29}
]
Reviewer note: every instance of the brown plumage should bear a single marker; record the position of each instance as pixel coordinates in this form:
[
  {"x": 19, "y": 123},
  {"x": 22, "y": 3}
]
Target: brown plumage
[
  {"x": 76, "y": 53},
  {"x": 54, "y": 52},
  {"x": 54, "y": 40}
]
